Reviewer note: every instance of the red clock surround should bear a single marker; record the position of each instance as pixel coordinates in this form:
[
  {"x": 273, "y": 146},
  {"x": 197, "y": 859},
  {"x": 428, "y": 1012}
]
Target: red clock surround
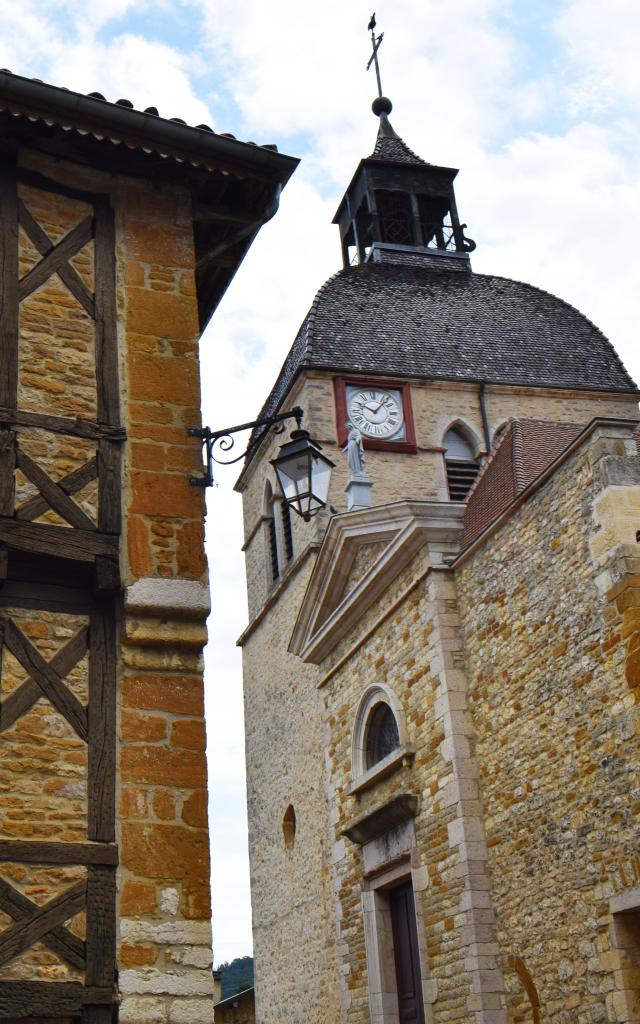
[{"x": 407, "y": 444}]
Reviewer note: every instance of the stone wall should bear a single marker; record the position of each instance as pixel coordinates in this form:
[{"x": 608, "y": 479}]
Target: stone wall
[
  {"x": 293, "y": 917},
  {"x": 418, "y": 652},
  {"x": 549, "y": 620},
  {"x": 436, "y": 405}
]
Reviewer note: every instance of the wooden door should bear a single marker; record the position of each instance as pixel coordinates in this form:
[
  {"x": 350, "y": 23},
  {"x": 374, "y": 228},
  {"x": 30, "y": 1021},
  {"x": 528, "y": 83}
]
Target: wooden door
[{"x": 406, "y": 955}]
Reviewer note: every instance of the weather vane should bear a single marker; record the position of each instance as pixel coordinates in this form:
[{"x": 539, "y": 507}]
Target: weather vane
[{"x": 375, "y": 42}]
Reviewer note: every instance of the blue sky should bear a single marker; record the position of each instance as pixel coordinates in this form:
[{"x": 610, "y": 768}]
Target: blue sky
[{"x": 536, "y": 102}]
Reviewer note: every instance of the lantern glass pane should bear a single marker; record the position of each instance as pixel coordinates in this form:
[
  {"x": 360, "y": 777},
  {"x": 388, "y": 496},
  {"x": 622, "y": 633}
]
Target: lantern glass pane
[
  {"x": 293, "y": 474},
  {"x": 321, "y": 477}
]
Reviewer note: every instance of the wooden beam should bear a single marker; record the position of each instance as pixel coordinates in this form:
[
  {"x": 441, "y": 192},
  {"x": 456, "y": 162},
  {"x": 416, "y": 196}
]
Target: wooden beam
[
  {"x": 48, "y": 597},
  {"x": 56, "y": 258},
  {"x": 67, "y": 273},
  {"x": 31, "y": 851},
  {"x": 70, "y": 484},
  {"x": 37, "y": 180},
  {"x": 27, "y": 931},
  {"x": 220, "y": 214},
  {"x": 60, "y": 940},
  {"x": 8, "y": 283},
  {"x": 59, "y": 541},
  {"x": 109, "y": 469},
  {"x": 25, "y": 696},
  {"x": 47, "y": 679},
  {"x": 105, "y": 300},
  {"x": 75, "y": 427},
  {"x": 102, "y": 722},
  {"x": 7, "y": 470},
  {"x": 101, "y": 926},
  {"x": 19, "y": 999},
  {"x": 54, "y": 495}
]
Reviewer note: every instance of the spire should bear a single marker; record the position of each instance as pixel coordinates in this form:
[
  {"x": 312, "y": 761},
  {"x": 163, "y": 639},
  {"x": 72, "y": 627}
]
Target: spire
[
  {"x": 389, "y": 145},
  {"x": 398, "y": 207}
]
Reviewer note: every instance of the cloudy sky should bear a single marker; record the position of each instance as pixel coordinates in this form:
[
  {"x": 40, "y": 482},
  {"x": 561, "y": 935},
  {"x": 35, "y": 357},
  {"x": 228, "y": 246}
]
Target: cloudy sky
[{"x": 536, "y": 102}]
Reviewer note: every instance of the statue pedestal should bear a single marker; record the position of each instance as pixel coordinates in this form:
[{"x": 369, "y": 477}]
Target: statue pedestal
[{"x": 358, "y": 492}]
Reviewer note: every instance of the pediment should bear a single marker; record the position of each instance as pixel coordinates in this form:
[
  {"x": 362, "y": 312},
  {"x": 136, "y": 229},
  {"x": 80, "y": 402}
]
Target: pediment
[{"x": 362, "y": 552}]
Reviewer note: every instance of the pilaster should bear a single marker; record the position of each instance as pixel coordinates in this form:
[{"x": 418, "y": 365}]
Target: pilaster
[{"x": 475, "y": 919}]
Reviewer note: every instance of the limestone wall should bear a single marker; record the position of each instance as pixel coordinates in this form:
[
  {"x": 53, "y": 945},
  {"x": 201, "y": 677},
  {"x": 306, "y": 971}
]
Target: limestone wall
[
  {"x": 436, "y": 405},
  {"x": 554, "y": 702},
  {"x": 293, "y": 916}
]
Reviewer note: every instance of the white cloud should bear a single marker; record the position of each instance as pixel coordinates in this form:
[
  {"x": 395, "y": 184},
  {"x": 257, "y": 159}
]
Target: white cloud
[{"x": 601, "y": 41}]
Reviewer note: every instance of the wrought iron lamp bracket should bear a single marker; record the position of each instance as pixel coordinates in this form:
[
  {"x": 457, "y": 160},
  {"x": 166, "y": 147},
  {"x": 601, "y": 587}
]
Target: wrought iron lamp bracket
[{"x": 225, "y": 441}]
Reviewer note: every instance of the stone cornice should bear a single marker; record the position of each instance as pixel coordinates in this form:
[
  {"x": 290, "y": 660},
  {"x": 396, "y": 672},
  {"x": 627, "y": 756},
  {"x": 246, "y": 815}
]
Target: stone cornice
[{"x": 325, "y": 615}]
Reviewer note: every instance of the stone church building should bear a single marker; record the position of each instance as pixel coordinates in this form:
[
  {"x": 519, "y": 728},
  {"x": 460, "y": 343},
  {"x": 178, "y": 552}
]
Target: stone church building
[{"x": 442, "y": 682}]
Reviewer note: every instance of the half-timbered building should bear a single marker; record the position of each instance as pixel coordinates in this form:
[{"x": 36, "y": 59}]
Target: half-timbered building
[{"x": 119, "y": 232}]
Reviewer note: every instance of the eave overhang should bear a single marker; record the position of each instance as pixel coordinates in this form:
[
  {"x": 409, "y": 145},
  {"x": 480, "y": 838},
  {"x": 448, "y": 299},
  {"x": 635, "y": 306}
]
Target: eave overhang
[{"x": 235, "y": 186}]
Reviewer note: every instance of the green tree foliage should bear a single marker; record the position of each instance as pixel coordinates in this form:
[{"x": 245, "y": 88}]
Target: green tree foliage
[{"x": 236, "y": 976}]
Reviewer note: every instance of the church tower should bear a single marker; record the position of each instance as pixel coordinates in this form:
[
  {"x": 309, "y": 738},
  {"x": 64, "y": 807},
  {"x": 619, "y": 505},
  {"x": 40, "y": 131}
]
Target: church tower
[{"x": 406, "y": 652}]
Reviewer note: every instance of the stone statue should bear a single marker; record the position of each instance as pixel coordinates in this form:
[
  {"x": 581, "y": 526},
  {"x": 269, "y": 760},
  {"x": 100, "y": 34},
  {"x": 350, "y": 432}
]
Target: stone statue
[{"x": 355, "y": 451}]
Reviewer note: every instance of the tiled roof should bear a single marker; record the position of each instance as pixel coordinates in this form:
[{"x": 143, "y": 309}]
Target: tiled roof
[
  {"x": 390, "y": 146},
  {"x": 410, "y": 321},
  {"x": 119, "y": 123},
  {"x": 519, "y": 455}
]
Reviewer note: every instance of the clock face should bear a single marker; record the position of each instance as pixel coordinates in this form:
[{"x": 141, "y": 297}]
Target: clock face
[{"x": 376, "y": 412}]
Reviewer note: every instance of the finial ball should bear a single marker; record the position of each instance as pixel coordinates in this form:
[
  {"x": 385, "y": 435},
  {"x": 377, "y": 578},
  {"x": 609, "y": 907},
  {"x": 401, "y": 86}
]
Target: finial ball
[{"x": 381, "y": 105}]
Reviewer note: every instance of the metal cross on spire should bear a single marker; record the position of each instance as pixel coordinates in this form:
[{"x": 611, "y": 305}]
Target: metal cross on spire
[{"x": 375, "y": 42}]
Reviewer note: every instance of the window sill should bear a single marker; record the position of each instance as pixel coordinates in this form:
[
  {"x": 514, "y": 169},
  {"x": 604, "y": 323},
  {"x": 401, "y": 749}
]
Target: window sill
[{"x": 399, "y": 758}]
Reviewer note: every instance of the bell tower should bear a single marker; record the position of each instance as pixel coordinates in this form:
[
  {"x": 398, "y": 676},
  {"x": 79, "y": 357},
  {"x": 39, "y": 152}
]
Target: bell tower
[{"x": 398, "y": 205}]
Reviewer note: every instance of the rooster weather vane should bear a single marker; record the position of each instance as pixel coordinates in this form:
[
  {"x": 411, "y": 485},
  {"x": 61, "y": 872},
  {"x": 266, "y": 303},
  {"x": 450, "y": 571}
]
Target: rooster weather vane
[{"x": 375, "y": 42}]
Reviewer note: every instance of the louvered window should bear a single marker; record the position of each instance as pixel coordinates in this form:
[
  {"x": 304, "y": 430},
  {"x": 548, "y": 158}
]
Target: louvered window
[
  {"x": 462, "y": 467},
  {"x": 273, "y": 548},
  {"x": 286, "y": 531}
]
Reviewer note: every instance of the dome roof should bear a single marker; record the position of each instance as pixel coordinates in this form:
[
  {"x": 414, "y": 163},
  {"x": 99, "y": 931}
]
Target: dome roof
[{"x": 412, "y": 321}]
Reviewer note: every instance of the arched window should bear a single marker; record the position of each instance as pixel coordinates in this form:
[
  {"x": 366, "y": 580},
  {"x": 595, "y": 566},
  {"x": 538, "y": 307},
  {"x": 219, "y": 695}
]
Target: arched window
[
  {"x": 382, "y": 736},
  {"x": 461, "y": 463},
  {"x": 379, "y": 729},
  {"x": 271, "y": 532},
  {"x": 289, "y": 826}
]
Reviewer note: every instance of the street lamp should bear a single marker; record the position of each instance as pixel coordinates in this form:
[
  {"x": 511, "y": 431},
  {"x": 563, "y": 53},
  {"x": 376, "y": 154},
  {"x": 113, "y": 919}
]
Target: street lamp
[{"x": 303, "y": 472}]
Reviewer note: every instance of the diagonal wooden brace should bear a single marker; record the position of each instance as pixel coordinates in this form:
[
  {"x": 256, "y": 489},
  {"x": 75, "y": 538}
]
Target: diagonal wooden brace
[
  {"x": 56, "y": 258},
  {"x": 47, "y": 679},
  {"x": 22, "y": 700},
  {"x": 29, "y": 930},
  {"x": 66, "y": 272},
  {"x": 53, "y": 494},
  {"x": 60, "y": 940}
]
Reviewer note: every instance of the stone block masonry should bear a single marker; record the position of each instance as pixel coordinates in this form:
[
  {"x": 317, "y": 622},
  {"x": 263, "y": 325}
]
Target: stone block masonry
[{"x": 550, "y": 624}]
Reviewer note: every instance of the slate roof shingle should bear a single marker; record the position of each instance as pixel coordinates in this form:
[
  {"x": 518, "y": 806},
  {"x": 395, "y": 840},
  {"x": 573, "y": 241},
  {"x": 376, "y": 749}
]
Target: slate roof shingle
[
  {"x": 408, "y": 321},
  {"x": 390, "y": 146}
]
